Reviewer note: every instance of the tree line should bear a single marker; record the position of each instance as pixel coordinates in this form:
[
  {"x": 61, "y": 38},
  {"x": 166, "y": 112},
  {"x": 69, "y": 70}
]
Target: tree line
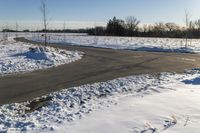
[{"x": 130, "y": 27}]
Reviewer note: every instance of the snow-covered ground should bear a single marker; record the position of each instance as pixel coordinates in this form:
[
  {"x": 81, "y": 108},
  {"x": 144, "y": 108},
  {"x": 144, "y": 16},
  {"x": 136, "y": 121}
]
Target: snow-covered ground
[
  {"x": 16, "y": 57},
  {"x": 132, "y": 43},
  {"x": 167, "y": 102}
]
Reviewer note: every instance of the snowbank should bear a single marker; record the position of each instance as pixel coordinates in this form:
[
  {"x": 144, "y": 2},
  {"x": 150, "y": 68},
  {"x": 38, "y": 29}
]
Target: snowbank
[
  {"x": 131, "y": 43},
  {"x": 17, "y": 57},
  {"x": 131, "y": 104}
]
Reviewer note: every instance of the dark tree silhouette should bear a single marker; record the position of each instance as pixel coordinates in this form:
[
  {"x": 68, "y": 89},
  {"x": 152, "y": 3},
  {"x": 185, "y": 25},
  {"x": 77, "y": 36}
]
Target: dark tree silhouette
[{"x": 116, "y": 27}]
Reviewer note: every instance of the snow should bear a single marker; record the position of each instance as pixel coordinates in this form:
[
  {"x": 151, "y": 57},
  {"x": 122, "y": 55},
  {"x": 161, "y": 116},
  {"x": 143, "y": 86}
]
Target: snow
[
  {"x": 167, "y": 102},
  {"x": 138, "y": 104},
  {"x": 15, "y": 57},
  {"x": 131, "y": 43},
  {"x": 169, "y": 112}
]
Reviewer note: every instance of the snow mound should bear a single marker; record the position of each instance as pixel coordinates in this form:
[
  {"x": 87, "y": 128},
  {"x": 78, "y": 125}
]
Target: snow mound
[{"x": 18, "y": 57}]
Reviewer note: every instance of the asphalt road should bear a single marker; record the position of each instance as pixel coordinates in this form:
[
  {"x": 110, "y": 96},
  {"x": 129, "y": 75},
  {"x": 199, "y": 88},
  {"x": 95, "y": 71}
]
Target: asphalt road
[{"x": 97, "y": 65}]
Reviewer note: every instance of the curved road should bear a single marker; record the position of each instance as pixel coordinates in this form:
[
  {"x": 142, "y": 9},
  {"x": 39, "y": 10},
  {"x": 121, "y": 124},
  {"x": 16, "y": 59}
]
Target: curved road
[{"x": 97, "y": 65}]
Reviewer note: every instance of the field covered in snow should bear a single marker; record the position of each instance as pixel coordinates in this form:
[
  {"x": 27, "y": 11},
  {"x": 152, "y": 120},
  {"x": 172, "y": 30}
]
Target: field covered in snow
[
  {"x": 132, "y": 43},
  {"x": 167, "y": 102},
  {"x": 16, "y": 57}
]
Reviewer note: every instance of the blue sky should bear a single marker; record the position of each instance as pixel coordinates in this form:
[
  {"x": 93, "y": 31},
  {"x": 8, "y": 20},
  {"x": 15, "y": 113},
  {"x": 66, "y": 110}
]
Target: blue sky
[{"x": 99, "y": 11}]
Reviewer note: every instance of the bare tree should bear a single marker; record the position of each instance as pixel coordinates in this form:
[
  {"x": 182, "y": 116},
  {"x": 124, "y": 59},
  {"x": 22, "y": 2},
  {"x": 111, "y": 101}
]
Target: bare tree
[
  {"x": 171, "y": 27},
  {"x": 44, "y": 19},
  {"x": 132, "y": 23},
  {"x": 16, "y": 29},
  {"x": 192, "y": 25},
  {"x": 187, "y": 25},
  {"x": 95, "y": 33},
  {"x": 5, "y": 33},
  {"x": 197, "y": 24},
  {"x": 145, "y": 28},
  {"x": 64, "y": 28},
  {"x": 159, "y": 28}
]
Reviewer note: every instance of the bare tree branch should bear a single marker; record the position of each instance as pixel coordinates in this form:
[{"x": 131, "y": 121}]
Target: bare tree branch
[{"x": 132, "y": 23}]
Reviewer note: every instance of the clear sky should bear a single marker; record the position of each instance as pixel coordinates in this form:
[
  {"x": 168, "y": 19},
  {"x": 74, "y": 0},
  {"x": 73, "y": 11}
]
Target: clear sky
[{"x": 87, "y": 12}]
